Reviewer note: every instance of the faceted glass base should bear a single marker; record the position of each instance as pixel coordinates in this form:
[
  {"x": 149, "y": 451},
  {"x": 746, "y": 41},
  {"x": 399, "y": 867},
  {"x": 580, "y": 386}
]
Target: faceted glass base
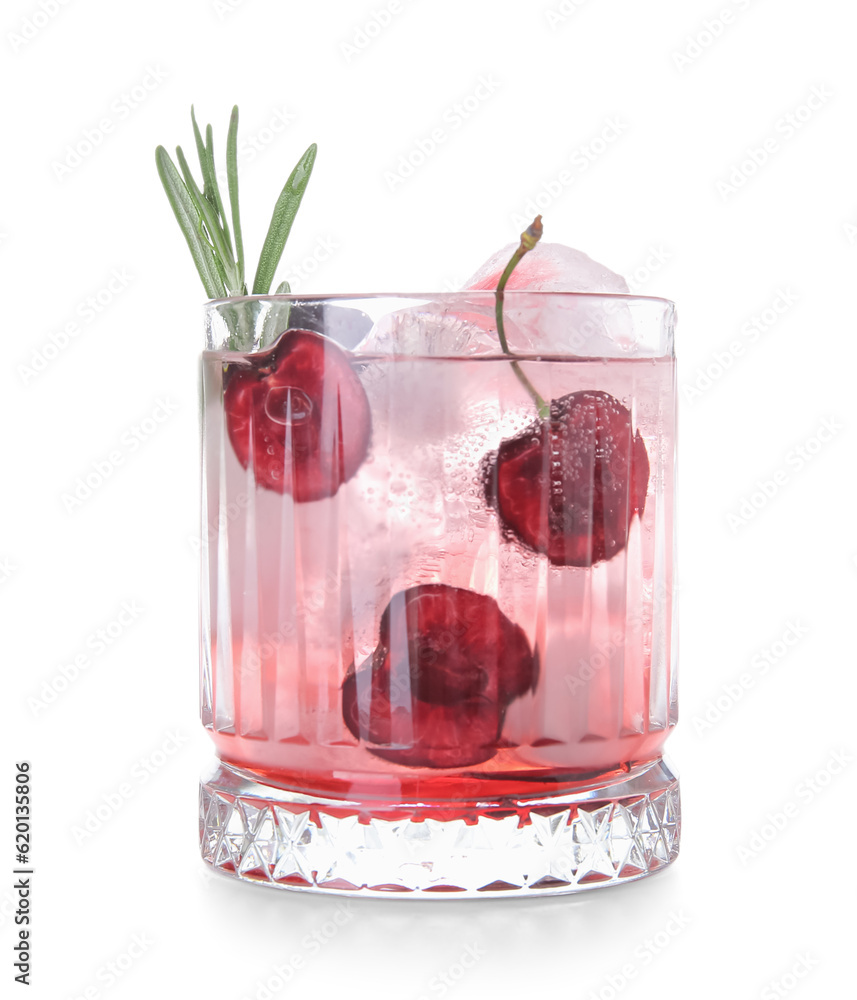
[{"x": 590, "y": 836}]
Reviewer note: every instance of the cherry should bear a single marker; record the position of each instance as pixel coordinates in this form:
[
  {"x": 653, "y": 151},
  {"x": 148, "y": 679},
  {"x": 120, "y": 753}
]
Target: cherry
[
  {"x": 455, "y": 644},
  {"x": 434, "y": 692},
  {"x": 300, "y": 414},
  {"x": 406, "y": 730},
  {"x": 569, "y": 485}
]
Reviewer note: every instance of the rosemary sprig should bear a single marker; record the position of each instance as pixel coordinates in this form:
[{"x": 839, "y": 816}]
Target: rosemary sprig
[
  {"x": 189, "y": 222},
  {"x": 207, "y": 217},
  {"x": 232, "y": 181},
  {"x": 202, "y": 218},
  {"x": 529, "y": 238},
  {"x": 281, "y": 222}
]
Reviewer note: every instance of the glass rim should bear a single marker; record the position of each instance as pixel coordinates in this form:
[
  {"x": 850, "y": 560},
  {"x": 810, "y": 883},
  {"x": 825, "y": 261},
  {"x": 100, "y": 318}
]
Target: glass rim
[
  {"x": 653, "y": 319},
  {"x": 431, "y": 296}
]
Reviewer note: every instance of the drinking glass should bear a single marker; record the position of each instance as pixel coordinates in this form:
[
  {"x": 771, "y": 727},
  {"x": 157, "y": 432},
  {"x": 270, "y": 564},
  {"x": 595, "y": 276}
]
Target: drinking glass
[{"x": 437, "y": 628}]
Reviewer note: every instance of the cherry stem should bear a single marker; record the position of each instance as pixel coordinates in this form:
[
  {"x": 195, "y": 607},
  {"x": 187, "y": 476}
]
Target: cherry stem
[{"x": 529, "y": 238}]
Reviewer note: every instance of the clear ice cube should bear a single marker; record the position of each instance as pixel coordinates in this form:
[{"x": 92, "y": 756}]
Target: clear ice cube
[
  {"x": 560, "y": 324},
  {"x": 448, "y": 327},
  {"x": 597, "y": 324}
]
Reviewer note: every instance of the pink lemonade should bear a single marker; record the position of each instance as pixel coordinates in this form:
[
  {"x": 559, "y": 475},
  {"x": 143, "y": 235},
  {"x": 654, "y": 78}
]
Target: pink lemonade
[
  {"x": 295, "y": 592},
  {"x": 437, "y": 646}
]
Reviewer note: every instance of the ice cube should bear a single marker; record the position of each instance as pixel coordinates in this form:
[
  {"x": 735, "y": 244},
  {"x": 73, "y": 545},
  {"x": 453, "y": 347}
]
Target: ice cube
[
  {"x": 344, "y": 324},
  {"x": 549, "y": 267},
  {"x": 463, "y": 324},
  {"x": 448, "y": 327},
  {"x": 560, "y": 324}
]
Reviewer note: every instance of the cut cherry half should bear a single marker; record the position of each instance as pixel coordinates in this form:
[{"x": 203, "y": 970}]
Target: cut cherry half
[
  {"x": 569, "y": 485},
  {"x": 434, "y": 692},
  {"x": 299, "y": 414}
]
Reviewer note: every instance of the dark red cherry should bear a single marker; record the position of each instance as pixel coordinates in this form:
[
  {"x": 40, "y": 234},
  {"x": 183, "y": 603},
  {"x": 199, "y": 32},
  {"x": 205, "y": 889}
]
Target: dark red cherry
[
  {"x": 570, "y": 484},
  {"x": 299, "y": 414},
  {"x": 455, "y": 644},
  {"x": 434, "y": 692},
  {"x": 379, "y": 709}
]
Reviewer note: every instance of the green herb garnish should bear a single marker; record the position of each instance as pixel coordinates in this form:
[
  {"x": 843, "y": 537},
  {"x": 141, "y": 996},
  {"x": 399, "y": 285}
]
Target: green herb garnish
[{"x": 202, "y": 218}]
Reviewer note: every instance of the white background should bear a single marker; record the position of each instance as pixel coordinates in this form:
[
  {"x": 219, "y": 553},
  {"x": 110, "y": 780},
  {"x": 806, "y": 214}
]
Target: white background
[{"x": 754, "y": 900}]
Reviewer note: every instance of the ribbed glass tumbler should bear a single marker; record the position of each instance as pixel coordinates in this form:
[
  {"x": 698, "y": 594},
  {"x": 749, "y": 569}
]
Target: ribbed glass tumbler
[{"x": 437, "y": 613}]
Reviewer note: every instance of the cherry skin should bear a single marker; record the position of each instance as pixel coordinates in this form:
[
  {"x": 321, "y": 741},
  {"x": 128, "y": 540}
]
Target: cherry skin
[
  {"x": 569, "y": 485},
  {"x": 415, "y": 733},
  {"x": 456, "y": 644},
  {"x": 435, "y": 690},
  {"x": 300, "y": 415}
]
